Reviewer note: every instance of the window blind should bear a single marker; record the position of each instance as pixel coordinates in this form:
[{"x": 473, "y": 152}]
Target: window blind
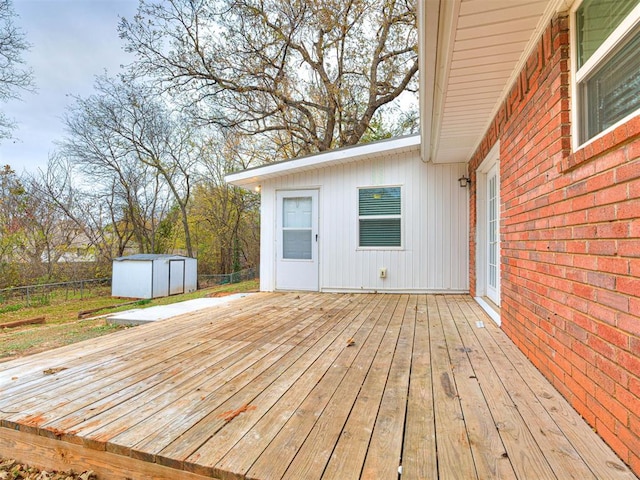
[
  {"x": 613, "y": 91},
  {"x": 380, "y": 201},
  {"x": 380, "y": 212},
  {"x": 596, "y": 20},
  {"x": 380, "y": 232}
]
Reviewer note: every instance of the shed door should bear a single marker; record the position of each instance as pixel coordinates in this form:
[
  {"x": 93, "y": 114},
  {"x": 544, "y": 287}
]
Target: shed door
[
  {"x": 176, "y": 277},
  {"x": 297, "y": 240}
]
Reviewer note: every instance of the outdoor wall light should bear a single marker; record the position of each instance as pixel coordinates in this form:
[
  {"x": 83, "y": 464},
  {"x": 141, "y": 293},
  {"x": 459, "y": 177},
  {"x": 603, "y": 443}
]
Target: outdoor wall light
[
  {"x": 464, "y": 181},
  {"x": 258, "y": 188}
]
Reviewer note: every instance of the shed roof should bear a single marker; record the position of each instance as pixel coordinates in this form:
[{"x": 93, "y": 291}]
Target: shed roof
[
  {"x": 252, "y": 177},
  {"x": 147, "y": 257}
]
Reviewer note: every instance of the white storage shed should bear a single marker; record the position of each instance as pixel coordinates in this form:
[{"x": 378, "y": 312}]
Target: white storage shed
[{"x": 153, "y": 275}]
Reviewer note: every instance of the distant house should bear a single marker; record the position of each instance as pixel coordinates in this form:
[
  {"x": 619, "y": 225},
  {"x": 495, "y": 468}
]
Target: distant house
[
  {"x": 67, "y": 243},
  {"x": 535, "y": 106},
  {"x": 79, "y": 249}
]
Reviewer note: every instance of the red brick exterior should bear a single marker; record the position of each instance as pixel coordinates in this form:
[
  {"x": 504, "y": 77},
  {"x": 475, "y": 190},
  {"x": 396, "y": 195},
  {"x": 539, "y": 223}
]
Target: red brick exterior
[{"x": 570, "y": 246}]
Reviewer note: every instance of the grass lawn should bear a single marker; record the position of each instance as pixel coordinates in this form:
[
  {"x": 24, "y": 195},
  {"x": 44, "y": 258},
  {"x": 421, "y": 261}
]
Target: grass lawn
[{"x": 62, "y": 326}]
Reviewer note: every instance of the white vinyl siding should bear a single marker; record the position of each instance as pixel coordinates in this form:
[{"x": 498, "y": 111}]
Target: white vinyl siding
[
  {"x": 380, "y": 217},
  {"x": 607, "y": 64},
  {"x": 434, "y": 254}
]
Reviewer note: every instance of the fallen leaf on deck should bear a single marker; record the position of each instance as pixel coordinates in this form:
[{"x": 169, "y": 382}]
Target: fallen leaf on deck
[
  {"x": 51, "y": 371},
  {"x": 231, "y": 414}
]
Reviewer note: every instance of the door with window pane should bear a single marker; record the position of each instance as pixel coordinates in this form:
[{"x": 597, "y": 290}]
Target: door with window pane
[
  {"x": 297, "y": 240},
  {"x": 493, "y": 235}
]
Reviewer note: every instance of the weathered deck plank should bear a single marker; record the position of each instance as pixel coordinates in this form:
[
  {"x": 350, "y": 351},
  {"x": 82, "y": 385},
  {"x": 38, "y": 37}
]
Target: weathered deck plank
[
  {"x": 350, "y": 451},
  {"x": 174, "y": 410},
  {"x": 570, "y": 447},
  {"x": 30, "y": 368},
  {"x": 309, "y": 453},
  {"x": 384, "y": 455},
  {"x": 177, "y": 440},
  {"x": 271, "y": 405},
  {"x": 419, "y": 460},
  {"x": 455, "y": 459},
  {"x": 486, "y": 443},
  {"x": 313, "y": 386},
  {"x": 513, "y": 419}
]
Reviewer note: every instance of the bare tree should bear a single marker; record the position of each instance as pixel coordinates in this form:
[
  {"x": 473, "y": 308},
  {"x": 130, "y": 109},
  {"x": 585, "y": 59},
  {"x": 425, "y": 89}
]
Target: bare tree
[
  {"x": 228, "y": 216},
  {"x": 32, "y": 231},
  {"x": 83, "y": 206},
  {"x": 135, "y": 194},
  {"x": 127, "y": 140},
  {"x": 308, "y": 74},
  {"x": 47, "y": 238},
  {"x": 14, "y": 75},
  {"x": 11, "y": 194}
]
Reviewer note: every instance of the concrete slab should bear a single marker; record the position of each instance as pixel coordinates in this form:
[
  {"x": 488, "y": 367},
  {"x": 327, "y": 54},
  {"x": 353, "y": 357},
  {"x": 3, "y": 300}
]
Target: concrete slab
[{"x": 139, "y": 316}]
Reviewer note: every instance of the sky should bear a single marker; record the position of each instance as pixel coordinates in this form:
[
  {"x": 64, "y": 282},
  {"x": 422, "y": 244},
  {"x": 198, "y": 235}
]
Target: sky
[{"x": 72, "y": 41}]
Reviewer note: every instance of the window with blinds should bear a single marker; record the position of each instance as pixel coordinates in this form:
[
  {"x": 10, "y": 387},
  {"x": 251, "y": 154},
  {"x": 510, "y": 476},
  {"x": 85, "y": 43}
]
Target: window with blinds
[
  {"x": 608, "y": 64},
  {"x": 380, "y": 217}
]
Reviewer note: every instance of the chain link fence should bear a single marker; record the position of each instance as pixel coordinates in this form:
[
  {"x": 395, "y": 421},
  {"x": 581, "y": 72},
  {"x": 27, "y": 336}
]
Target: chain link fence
[
  {"x": 205, "y": 281},
  {"x": 44, "y": 294},
  {"x": 33, "y": 295}
]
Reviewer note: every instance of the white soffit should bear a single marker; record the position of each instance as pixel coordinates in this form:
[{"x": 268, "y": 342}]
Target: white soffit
[
  {"x": 253, "y": 177},
  {"x": 482, "y": 46}
]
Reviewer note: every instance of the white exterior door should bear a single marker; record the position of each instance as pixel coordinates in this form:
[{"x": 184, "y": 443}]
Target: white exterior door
[
  {"x": 493, "y": 235},
  {"x": 297, "y": 240}
]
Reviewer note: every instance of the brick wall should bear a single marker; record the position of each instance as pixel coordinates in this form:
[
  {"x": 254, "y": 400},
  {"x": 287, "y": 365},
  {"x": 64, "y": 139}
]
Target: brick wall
[{"x": 570, "y": 251}]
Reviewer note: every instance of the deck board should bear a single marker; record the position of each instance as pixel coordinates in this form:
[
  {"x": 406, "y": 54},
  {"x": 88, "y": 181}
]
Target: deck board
[
  {"x": 272, "y": 406},
  {"x": 510, "y": 415},
  {"x": 419, "y": 451},
  {"x": 301, "y": 385},
  {"x": 468, "y": 360},
  {"x": 297, "y": 440},
  {"x": 384, "y": 455},
  {"x": 351, "y": 448},
  {"x": 570, "y": 443},
  {"x": 455, "y": 459}
]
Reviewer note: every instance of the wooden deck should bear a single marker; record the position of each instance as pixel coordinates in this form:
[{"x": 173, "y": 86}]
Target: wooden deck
[{"x": 301, "y": 386}]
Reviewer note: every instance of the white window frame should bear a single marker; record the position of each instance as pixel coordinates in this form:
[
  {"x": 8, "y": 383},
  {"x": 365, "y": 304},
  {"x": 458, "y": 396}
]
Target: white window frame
[
  {"x": 374, "y": 217},
  {"x": 600, "y": 56}
]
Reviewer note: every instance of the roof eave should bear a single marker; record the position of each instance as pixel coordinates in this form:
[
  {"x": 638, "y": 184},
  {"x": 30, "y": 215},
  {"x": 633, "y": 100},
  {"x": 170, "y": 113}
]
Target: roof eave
[
  {"x": 253, "y": 177},
  {"x": 428, "y": 20},
  {"x": 438, "y": 24}
]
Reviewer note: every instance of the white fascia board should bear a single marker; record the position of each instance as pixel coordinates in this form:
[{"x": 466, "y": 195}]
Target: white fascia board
[
  {"x": 253, "y": 177},
  {"x": 448, "y": 16},
  {"x": 428, "y": 20}
]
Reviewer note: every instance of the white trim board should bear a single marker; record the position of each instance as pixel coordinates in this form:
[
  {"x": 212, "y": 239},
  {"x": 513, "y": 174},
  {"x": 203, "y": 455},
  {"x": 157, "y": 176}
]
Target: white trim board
[{"x": 489, "y": 310}]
